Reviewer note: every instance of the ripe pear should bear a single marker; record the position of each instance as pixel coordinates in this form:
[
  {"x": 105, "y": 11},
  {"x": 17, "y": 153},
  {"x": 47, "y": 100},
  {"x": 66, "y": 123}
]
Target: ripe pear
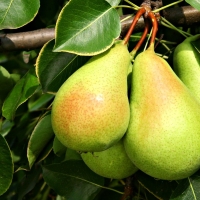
[
  {"x": 186, "y": 64},
  {"x": 110, "y": 163},
  {"x": 91, "y": 109},
  {"x": 163, "y": 137}
]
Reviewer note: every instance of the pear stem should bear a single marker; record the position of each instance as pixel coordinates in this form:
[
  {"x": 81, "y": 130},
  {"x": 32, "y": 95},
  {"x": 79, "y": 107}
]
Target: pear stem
[
  {"x": 134, "y": 22},
  {"x": 128, "y": 190},
  {"x": 138, "y": 45},
  {"x": 153, "y": 19},
  {"x": 132, "y": 4}
]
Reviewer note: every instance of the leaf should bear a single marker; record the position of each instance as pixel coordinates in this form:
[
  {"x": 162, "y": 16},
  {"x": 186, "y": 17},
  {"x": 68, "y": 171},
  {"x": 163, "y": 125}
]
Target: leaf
[
  {"x": 73, "y": 180},
  {"x": 58, "y": 148},
  {"x": 196, "y": 45},
  {"x": 6, "y": 166},
  {"x": 16, "y": 13},
  {"x": 15, "y": 77},
  {"x": 6, "y": 83},
  {"x": 41, "y": 136},
  {"x": 41, "y": 101},
  {"x": 72, "y": 155},
  {"x": 22, "y": 91},
  {"x": 48, "y": 10},
  {"x": 54, "y": 68},
  {"x": 194, "y": 3},
  {"x": 187, "y": 189},
  {"x": 113, "y": 2},
  {"x": 159, "y": 188},
  {"x": 29, "y": 182},
  {"x": 87, "y": 27},
  {"x": 6, "y": 127}
]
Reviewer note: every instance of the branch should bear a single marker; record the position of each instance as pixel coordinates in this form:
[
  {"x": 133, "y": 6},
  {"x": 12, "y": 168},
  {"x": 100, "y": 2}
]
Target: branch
[
  {"x": 26, "y": 40},
  {"x": 182, "y": 16},
  {"x": 128, "y": 189},
  {"x": 179, "y": 16}
]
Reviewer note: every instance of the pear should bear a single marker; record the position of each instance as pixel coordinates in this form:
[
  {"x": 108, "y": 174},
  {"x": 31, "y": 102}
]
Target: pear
[
  {"x": 91, "y": 110},
  {"x": 186, "y": 64},
  {"x": 110, "y": 163},
  {"x": 163, "y": 137}
]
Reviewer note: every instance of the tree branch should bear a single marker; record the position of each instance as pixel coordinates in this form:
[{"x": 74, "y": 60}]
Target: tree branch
[
  {"x": 26, "y": 40},
  {"x": 179, "y": 16}
]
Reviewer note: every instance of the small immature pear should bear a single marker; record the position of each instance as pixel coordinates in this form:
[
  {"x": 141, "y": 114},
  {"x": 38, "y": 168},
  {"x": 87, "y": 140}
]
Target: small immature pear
[
  {"x": 91, "y": 109},
  {"x": 163, "y": 137},
  {"x": 186, "y": 64},
  {"x": 110, "y": 163}
]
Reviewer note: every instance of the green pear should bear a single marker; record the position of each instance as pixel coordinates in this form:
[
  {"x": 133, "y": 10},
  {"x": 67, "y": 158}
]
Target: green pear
[
  {"x": 163, "y": 137},
  {"x": 186, "y": 64},
  {"x": 110, "y": 163},
  {"x": 91, "y": 109}
]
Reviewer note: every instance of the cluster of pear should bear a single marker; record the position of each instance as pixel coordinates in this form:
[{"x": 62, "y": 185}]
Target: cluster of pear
[{"x": 156, "y": 129}]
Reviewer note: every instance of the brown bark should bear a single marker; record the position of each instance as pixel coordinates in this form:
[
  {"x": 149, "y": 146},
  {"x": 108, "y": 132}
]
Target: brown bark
[
  {"x": 179, "y": 16},
  {"x": 26, "y": 40}
]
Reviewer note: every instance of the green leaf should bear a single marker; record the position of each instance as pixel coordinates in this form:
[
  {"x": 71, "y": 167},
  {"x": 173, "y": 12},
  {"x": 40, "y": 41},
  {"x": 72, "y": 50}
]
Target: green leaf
[
  {"x": 72, "y": 155},
  {"x": 41, "y": 101},
  {"x": 6, "y": 166},
  {"x": 29, "y": 182},
  {"x": 58, "y": 148},
  {"x": 159, "y": 188},
  {"x": 6, "y": 83},
  {"x": 6, "y": 127},
  {"x": 16, "y": 13},
  {"x": 87, "y": 27},
  {"x": 48, "y": 10},
  {"x": 15, "y": 77},
  {"x": 73, "y": 180},
  {"x": 196, "y": 45},
  {"x": 54, "y": 68},
  {"x": 187, "y": 189},
  {"x": 22, "y": 91},
  {"x": 194, "y": 3},
  {"x": 113, "y": 2},
  {"x": 40, "y": 138}
]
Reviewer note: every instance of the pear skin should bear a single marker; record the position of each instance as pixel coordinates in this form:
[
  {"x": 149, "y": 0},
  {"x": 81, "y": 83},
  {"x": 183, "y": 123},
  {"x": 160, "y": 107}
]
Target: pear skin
[
  {"x": 111, "y": 163},
  {"x": 91, "y": 109},
  {"x": 186, "y": 64},
  {"x": 163, "y": 137}
]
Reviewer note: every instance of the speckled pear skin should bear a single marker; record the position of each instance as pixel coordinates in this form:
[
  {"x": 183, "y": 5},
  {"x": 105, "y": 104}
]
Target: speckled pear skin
[
  {"x": 186, "y": 64},
  {"x": 163, "y": 137},
  {"x": 111, "y": 163},
  {"x": 91, "y": 110}
]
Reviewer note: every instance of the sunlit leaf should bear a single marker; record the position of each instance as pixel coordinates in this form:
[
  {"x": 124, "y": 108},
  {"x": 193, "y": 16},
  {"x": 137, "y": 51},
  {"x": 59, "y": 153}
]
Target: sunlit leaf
[{"x": 87, "y": 27}]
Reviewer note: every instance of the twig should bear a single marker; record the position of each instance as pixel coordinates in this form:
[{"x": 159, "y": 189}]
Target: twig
[{"x": 128, "y": 189}]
